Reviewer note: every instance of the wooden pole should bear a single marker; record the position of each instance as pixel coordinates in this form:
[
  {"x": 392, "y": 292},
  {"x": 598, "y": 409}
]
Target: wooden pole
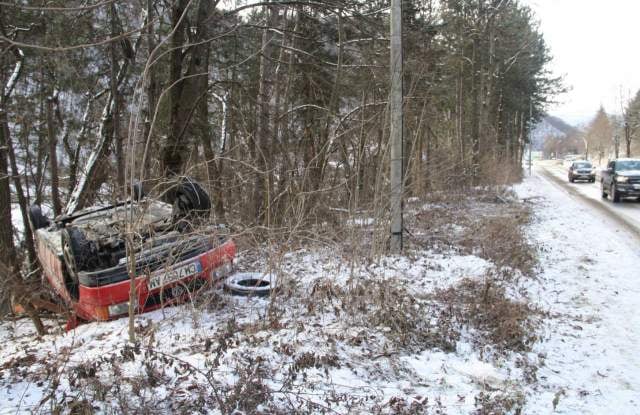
[
  {"x": 530, "y": 135},
  {"x": 396, "y": 138}
]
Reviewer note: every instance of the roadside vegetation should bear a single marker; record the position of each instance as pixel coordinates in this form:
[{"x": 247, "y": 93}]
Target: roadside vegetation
[
  {"x": 340, "y": 329},
  {"x": 280, "y": 111}
]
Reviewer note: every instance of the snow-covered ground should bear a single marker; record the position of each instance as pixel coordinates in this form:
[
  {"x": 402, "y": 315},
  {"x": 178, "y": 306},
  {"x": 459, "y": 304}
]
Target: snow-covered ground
[
  {"x": 349, "y": 336},
  {"x": 590, "y": 287}
]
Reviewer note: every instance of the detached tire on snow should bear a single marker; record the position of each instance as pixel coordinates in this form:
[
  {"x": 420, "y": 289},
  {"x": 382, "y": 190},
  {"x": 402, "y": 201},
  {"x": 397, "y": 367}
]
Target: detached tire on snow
[
  {"x": 79, "y": 253},
  {"x": 250, "y": 284}
]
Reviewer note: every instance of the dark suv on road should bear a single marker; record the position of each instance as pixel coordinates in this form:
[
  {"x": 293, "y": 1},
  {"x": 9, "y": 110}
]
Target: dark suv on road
[
  {"x": 621, "y": 179},
  {"x": 582, "y": 170}
]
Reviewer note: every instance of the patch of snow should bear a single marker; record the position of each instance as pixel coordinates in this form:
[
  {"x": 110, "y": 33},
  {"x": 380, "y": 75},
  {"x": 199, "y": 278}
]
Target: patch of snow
[{"x": 589, "y": 287}]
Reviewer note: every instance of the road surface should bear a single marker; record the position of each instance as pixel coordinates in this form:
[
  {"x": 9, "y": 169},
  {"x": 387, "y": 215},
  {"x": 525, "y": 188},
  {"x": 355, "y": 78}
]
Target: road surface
[{"x": 625, "y": 214}]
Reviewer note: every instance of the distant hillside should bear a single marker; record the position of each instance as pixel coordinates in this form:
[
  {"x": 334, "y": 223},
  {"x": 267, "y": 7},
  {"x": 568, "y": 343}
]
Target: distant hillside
[
  {"x": 559, "y": 124},
  {"x": 550, "y": 126}
]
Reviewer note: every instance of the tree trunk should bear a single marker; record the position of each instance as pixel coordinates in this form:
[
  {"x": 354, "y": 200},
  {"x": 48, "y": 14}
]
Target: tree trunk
[
  {"x": 151, "y": 88},
  {"x": 627, "y": 138},
  {"x": 53, "y": 157},
  {"x": 186, "y": 84},
  {"x": 263, "y": 118},
  {"x": 87, "y": 185},
  {"x": 117, "y": 137},
  {"x": 5, "y": 140},
  {"x": 176, "y": 147},
  {"x": 7, "y": 248},
  {"x": 475, "y": 111},
  {"x": 90, "y": 181}
]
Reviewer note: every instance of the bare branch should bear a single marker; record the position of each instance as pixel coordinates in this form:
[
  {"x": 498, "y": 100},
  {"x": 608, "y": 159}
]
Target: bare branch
[{"x": 58, "y": 9}]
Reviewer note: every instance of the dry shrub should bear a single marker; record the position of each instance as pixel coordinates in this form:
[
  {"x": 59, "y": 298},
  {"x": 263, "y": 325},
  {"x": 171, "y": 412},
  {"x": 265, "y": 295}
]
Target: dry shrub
[
  {"x": 416, "y": 405},
  {"x": 390, "y": 307},
  {"x": 498, "y": 403},
  {"x": 485, "y": 307},
  {"x": 406, "y": 321},
  {"x": 74, "y": 406},
  {"x": 249, "y": 391},
  {"x": 487, "y": 222},
  {"x": 501, "y": 239},
  {"x": 493, "y": 172}
]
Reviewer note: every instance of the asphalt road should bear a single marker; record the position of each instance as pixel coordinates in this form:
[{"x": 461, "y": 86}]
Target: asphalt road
[{"x": 625, "y": 214}]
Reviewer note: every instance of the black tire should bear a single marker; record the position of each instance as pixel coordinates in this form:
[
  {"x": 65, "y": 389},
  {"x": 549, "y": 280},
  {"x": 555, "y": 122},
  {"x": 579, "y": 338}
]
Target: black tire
[
  {"x": 250, "y": 284},
  {"x": 189, "y": 198},
  {"x": 79, "y": 253},
  {"x": 615, "y": 196},
  {"x": 38, "y": 220}
]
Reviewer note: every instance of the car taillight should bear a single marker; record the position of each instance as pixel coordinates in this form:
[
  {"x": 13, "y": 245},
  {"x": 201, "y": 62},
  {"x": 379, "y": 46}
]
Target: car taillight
[{"x": 101, "y": 313}]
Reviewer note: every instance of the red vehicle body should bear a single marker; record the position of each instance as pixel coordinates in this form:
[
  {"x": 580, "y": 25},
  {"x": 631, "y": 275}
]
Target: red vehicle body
[{"x": 171, "y": 276}]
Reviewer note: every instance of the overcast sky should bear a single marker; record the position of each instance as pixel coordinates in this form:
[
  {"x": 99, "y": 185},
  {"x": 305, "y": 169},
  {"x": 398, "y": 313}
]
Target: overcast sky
[{"x": 596, "y": 46}]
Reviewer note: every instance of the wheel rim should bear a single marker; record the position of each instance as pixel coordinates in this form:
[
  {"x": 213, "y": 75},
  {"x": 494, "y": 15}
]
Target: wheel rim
[{"x": 251, "y": 283}]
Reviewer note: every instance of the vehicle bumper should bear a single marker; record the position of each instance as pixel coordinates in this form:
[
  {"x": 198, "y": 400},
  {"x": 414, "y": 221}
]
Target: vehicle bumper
[
  {"x": 112, "y": 300},
  {"x": 583, "y": 177},
  {"x": 628, "y": 190}
]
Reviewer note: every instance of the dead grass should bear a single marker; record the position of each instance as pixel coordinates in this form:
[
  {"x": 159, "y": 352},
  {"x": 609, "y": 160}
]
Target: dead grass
[
  {"x": 487, "y": 222},
  {"x": 498, "y": 403},
  {"x": 484, "y": 306},
  {"x": 387, "y": 307},
  {"x": 501, "y": 240}
]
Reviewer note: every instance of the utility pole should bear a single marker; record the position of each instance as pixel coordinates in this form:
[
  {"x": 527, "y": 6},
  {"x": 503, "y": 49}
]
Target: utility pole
[
  {"x": 530, "y": 134},
  {"x": 396, "y": 136}
]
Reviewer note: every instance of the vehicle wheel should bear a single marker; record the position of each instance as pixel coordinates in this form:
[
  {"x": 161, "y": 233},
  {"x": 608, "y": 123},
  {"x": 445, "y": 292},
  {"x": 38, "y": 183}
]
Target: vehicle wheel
[
  {"x": 250, "y": 284},
  {"x": 38, "y": 220},
  {"x": 188, "y": 197},
  {"x": 80, "y": 254},
  {"x": 615, "y": 196}
]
